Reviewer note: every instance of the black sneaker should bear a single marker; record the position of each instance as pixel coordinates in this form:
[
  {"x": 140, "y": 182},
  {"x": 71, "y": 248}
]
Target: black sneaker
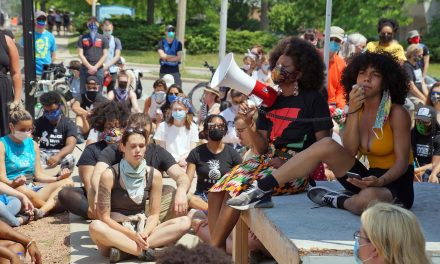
[
  {"x": 147, "y": 255},
  {"x": 324, "y": 196},
  {"x": 250, "y": 198},
  {"x": 117, "y": 255}
]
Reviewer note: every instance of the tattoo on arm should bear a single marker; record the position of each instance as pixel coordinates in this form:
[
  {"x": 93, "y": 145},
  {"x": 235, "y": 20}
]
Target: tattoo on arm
[{"x": 104, "y": 197}]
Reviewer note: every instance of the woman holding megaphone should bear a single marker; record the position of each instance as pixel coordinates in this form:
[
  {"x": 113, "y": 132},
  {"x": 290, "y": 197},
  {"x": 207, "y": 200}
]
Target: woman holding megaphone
[{"x": 298, "y": 117}]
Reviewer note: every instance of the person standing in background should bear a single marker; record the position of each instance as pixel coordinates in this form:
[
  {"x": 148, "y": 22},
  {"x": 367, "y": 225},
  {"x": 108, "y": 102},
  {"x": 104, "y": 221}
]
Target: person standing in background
[
  {"x": 45, "y": 45},
  {"x": 170, "y": 53},
  {"x": 114, "y": 53}
]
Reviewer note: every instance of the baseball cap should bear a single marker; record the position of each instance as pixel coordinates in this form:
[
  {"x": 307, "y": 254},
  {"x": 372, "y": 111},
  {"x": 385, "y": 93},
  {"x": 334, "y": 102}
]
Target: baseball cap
[
  {"x": 169, "y": 79},
  {"x": 92, "y": 78},
  {"x": 412, "y": 34},
  {"x": 170, "y": 28},
  {"x": 337, "y": 32},
  {"x": 425, "y": 113},
  {"x": 211, "y": 90},
  {"x": 39, "y": 13}
]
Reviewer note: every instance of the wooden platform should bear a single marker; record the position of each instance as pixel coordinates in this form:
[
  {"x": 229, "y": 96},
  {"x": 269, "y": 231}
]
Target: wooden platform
[{"x": 295, "y": 229}]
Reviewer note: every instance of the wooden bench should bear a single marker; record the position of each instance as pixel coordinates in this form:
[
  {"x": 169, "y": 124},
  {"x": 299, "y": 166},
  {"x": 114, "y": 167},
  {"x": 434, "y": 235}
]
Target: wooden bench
[{"x": 295, "y": 229}]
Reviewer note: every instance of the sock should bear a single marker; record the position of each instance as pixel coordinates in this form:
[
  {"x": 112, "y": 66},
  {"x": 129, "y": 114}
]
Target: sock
[
  {"x": 340, "y": 201},
  {"x": 267, "y": 183}
]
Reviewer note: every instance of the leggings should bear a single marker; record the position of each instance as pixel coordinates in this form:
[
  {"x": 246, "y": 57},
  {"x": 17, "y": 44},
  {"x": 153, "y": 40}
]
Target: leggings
[
  {"x": 9, "y": 211},
  {"x": 74, "y": 200}
]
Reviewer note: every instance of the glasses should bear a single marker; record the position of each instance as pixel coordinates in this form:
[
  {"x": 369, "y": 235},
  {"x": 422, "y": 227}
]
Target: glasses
[
  {"x": 309, "y": 37},
  {"x": 214, "y": 125},
  {"x": 135, "y": 130},
  {"x": 357, "y": 236},
  {"x": 240, "y": 130},
  {"x": 386, "y": 34},
  {"x": 336, "y": 40}
]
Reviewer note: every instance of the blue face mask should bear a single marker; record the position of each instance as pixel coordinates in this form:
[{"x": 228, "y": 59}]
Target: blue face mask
[
  {"x": 334, "y": 46},
  {"x": 171, "y": 98},
  {"x": 171, "y": 34},
  {"x": 41, "y": 23},
  {"x": 179, "y": 115},
  {"x": 53, "y": 115},
  {"x": 93, "y": 28},
  {"x": 356, "y": 252}
]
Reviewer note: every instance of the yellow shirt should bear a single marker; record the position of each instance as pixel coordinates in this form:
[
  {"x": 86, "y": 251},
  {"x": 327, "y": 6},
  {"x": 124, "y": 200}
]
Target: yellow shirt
[{"x": 393, "y": 48}]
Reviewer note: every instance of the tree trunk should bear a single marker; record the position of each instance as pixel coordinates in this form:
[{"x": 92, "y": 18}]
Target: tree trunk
[
  {"x": 150, "y": 12},
  {"x": 264, "y": 20},
  {"x": 43, "y": 5}
]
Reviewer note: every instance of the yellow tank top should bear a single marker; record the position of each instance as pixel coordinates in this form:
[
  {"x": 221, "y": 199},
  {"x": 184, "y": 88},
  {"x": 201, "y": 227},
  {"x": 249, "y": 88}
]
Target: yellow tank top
[{"x": 381, "y": 153}]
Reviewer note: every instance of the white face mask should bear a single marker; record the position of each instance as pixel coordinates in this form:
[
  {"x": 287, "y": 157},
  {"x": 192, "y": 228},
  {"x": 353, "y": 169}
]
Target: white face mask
[
  {"x": 160, "y": 96},
  {"x": 246, "y": 67},
  {"x": 21, "y": 135}
]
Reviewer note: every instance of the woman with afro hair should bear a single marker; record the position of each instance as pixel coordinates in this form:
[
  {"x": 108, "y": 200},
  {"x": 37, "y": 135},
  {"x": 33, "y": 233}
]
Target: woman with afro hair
[
  {"x": 298, "y": 118},
  {"x": 378, "y": 126}
]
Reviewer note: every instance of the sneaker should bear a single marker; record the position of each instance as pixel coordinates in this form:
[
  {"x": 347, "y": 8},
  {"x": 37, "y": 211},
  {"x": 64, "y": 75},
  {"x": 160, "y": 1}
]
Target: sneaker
[
  {"x": 117, "y": 255},
  {"x": 324, "y": 196},
  {"x": 250, "y": 198},
  {"x": 147, "y": 255}
]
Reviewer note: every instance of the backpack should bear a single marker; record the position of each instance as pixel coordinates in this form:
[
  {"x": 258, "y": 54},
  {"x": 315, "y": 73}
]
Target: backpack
[{"x": 138, "y": 89}]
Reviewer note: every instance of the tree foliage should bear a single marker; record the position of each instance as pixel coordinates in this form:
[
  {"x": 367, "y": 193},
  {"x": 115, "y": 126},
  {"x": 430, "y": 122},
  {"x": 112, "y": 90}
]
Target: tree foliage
[{"x": 291, "y": 16}]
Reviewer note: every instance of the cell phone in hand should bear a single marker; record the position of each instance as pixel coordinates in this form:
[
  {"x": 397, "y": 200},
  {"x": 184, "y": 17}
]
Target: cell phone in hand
[{"x": 353, "y": 175}]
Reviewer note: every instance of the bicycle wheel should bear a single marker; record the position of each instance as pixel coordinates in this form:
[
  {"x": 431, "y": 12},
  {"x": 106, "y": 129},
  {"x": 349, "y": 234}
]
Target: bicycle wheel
[
  {"x": 64, "y": 107},
  {"x": 196, "y": 94}
]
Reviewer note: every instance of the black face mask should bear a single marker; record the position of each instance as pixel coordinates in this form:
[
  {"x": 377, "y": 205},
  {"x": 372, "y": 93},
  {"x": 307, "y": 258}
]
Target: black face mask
[
  {"x": 91, "y": 95},
  {"x": 216, "y": 134},
  {"x": 385, "y": 38}
]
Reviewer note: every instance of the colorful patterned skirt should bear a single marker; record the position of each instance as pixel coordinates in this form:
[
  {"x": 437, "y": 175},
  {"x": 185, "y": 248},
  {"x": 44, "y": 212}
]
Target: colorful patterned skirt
[{"x": 242, "y": 175}]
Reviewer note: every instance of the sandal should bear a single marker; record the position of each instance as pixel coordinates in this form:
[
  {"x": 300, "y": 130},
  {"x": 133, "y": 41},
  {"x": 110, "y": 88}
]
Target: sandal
[{"x": 38, "y": 214}]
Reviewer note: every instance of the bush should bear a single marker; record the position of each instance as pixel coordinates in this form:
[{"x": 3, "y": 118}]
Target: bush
[
  {"x": 432, "y": 39},
  {"x": 135, "y": 34}
]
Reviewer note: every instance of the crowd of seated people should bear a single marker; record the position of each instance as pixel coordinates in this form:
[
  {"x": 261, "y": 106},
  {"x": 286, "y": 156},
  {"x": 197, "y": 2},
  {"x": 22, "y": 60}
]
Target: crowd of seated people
[{"x": 237, "y": 154}]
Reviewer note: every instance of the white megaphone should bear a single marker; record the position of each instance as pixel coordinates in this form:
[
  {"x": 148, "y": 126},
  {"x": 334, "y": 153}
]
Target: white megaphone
[{"x": 230, "y": 75}]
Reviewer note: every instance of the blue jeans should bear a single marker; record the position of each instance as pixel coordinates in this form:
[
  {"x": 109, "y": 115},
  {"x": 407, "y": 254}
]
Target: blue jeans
[
  {"x": 83, "y": 74},
  {"x": 9, "y": 211}
]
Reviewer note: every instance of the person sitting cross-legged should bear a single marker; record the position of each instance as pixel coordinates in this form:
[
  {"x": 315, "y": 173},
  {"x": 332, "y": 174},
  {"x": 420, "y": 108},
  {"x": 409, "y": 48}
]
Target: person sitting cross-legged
[
  {"x": 57, "y": 134},
  {"x": 123, "y": 192}
]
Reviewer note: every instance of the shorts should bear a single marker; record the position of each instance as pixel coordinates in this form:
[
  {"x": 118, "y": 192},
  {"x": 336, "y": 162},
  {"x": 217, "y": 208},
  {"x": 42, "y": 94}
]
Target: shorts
[
  {"x": 202, "y": 195},
  {"x": 166, "y": 206},
  {"x": 402, "y": 189},
  {"x": 34, "y": 187}
]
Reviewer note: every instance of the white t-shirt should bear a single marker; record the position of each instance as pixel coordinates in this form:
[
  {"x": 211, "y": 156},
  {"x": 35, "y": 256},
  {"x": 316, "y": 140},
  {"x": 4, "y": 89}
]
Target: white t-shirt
[
  {"x": 177, "y": 139},
  {"x": 229, "y": 114},
  {"x": 261, "y": 76}
]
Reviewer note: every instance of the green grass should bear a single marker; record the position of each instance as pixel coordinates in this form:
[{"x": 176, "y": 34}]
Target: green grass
[{"x": 434, "y": 69}]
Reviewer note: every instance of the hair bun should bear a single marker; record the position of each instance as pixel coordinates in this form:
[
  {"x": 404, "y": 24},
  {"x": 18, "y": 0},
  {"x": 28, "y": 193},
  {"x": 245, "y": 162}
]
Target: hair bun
[{"x": 16, "y": 106}]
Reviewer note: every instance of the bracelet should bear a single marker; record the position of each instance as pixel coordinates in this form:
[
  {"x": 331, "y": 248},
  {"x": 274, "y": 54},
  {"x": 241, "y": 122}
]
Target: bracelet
[{"x": 30, "y": 244}]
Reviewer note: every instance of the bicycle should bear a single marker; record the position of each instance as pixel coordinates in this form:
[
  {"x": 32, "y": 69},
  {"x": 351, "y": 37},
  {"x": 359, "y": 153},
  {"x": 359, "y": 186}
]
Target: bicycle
[
  {"x": 196, "y": 94},
  {"x": 55, "y": 79}
]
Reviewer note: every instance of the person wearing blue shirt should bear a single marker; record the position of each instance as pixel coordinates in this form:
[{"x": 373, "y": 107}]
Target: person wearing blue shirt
[{"x": 45, "y": 45}]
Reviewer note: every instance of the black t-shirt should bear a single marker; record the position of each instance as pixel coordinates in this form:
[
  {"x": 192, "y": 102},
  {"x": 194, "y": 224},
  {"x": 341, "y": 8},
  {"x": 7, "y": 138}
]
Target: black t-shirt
[
  {"x": 165, "y": 69},
  {"x": 86, "y": 104},
  {"x": 424, "y": 147},
  {"x": 211, "y": 167},
  {"x": 156, "y": 156},
  {"x": 93, "y": 51},
  {"x": 91, "y": 153},
  {"x": 54, "y": 136},
  {"x": 414, "y": 73},
  {"x": 8, "y": 33},
  {"x": 298, "y": 134}
]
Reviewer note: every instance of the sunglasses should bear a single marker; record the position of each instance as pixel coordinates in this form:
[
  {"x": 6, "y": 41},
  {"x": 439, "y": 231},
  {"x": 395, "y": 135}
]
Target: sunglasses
[{"x": 135, "y": 130}]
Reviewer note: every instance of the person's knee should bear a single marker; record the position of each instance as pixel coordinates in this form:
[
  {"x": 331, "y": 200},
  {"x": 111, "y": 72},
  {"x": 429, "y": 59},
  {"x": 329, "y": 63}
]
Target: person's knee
[
  {"x": 65, "y": 195},
  {"x": 97, "y": 227},
  {"x": 185, "y": 223}
]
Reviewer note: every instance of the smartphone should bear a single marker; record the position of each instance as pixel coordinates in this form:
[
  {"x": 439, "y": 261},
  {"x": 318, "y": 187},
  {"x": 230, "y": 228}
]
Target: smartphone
[{"x": 353, "y": 175}]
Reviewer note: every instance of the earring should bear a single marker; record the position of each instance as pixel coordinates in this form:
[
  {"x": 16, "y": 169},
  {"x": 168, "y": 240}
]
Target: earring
[{"x": 295, "y": 88}]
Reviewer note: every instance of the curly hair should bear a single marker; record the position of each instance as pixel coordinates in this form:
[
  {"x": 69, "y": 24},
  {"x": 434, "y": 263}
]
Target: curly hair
[
  {"x": 394, "y": 78},
  {"x": 200, "y": 254},
  {"x": 108, "y": 111},
  {"x": 383, "y": 22},
  {"x": 306, "y": 59},
  {"x": 50, "y": 98}
]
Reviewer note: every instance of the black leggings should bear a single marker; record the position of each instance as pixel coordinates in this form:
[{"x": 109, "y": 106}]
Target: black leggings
[
  {"x": 401, "y": 189},
  {"x": 74, "y": 200}
]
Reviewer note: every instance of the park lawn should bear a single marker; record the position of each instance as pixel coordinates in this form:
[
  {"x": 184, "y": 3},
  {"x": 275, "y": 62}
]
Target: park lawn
[
  {"x": 152, "y": 57},
  {"x": 434, "y": 70}
]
